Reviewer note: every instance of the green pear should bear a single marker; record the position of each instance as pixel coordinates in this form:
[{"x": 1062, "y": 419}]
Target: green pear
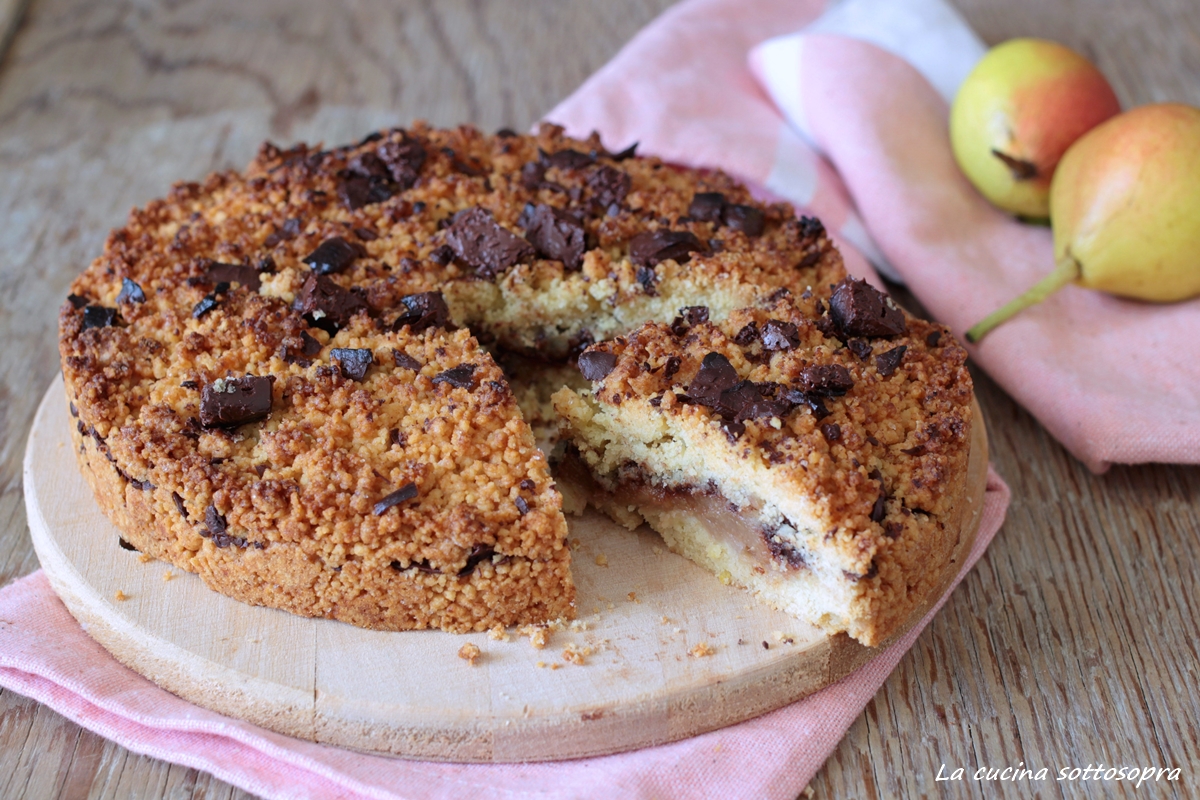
[
  {"x": 1125, "y": 208},
  {"x": 1014, "y": 116}
]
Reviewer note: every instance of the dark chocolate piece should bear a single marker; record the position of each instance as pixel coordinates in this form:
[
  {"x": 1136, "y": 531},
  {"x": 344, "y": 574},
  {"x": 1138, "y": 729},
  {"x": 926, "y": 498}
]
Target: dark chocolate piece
[
  {"x": 747, "y": 219},
  {"x": 707, "y": 207},
  {"x": 825, "y": 380},
  {"x": 352, "y": 362},
  {"x": 404, "y": 159},
  {"x": 99, "y": 317},
  {"x": 859, "y": 309},
  {"x": 423, "y": 310},
  {"x": 366, "y": 234},
  {"x": 888, "y": 362},
  {"x": 533, "y": 175},
  {"x": 733, "y": 429},
  {"x": 596, "y": 364},
  {"x": 478, "y": 554},
  {"x": 126, "y": 545},
  {"x": 880, "y": 508},
  {"x": 811, "y": 227},
  {"x": 750, "y": 400},
  {"x": 860, "y": 348},
  {"x": 608, "y": 186},
  {"x": 179, "y": 505},
  {"x": 405, "y": 361},
  {"x": 555, "y": 234},
  {"x": 461, "y": 377},
  {"x": 333, "y": 255},
  {"x": 747, "y": 335},
  {"x": 76, "y": 301},
  {"x": 215, "y": 520},
  {"x": 396, "y": 438},
  {"x": 289, "y": 231},
  {"x": 130, "y": 292},
  {"x": 229, "y": 402},
  {"x": 522, "y": 505},
  {"x": 406, "y": 492},
  {"x": 483, "y": 244},
  {"x": 779, "y": 335},
  {"x": 326, "y": 305},
  {"x": 244, "y": 274},
  {"x": 832, "y": 432},
  {"x": 694, "y": 315},
  {"x": 628, "y": 152},
  {"x": 672, "y": 366},
  {"x": 933, "y": 338},
  {"x": 650, "y": 248},
  {"x": 567, "y": 159},
  {"x": 647, "y": 277},
  {"x": 716, "y": 375}
]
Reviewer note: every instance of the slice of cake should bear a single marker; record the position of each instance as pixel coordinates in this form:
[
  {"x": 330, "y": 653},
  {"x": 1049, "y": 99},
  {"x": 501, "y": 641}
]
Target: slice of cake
[{"x": 814, "y": 453}]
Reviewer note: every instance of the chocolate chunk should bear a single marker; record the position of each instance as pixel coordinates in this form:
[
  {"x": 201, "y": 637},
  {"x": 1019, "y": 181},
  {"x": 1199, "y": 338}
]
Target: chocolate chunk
[
  {"x": 404, "y": 159},
  {"x": 71, "y": 406},
  {"x": 533, "y": 175},
  {"x": 352, "y": 362},
  {"x": 567, "y": 159},
  {"x": 405, "y": 361},
  {"x": 811, "y": 227},
  {"x": 406, "y": 492},
  {"x": 628, "y": 152},
  {"x": 880, "y": 508},
  {"x": 527, "y": 484},
  {"x": 290, "y": 230},
  {"x": 76, "y": 301},
  {"x": 596, "y": 364},
  {"x": 832, "y": 432},
  {"x": 650, "y": 248},
  {"x": 260, "y": 469},
  {"x": 694, "y": 315},
  {"x": 506, "y": 133},
  {"x": 707, "y": 207},
  {"x": 716, "y": 375},
  {"x": 647, "y": 277},
  {"x": 555, "y": 234},
  {"x": 333, "y": 255},
  {"x": 933, "y": 338},
  {"x": 309, "y": 347},
  {"x": 99, "y": 317},
  {"x": 478, "y": 554},
  {"x": 859, "y": 309},
  {"x": 461, "y": 377},
  {"x": 215, "y": 520},
  {"x": 130, "y": 292},
  {"x": 441, "y": 255},
  {"x": 779, "y": 335},
  {"x": 244, "y": 274},
  {"x": 860, "y": 348},
  {"x": 732, "y": 429},
  {"x": 747, "y": 219},
  {"x": 423, "y": 310},
  {"x": 326, "y": 305},
  {"x": 784, "y": 551},
  {"x": 229, "y": 402},
  {"x": 522, "y": 505},
  {"x": 366, "y": 234},
  {"x": 887, "y": 362},
  {"x": 179, "y": 504},
  {"x": 914, "y": 451},
  {"x": 747, "y": 335},
  {"x": 482, "y": 243},
  {"x": 825, "y": 380},
  {"x": 750, "y": 400},
  {"x": 396, "y": 438},
  {"x": 126, "y": 545},
  {"x": 892, "y": 530},
  {"x": 609, "y": 187}
]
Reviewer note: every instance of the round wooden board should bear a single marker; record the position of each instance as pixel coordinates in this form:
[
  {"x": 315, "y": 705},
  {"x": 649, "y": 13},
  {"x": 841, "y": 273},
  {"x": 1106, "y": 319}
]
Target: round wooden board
[{"x": 408, "y": 694}]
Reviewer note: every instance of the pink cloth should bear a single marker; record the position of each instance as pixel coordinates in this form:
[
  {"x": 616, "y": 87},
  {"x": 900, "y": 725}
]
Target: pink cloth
[
  {"x": 44, "y": 654},
  {"x": 683, "y": 88}
]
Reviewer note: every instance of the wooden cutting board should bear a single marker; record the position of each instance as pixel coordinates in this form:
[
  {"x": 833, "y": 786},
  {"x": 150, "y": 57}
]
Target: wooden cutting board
[{"x": 409, "y": 694}]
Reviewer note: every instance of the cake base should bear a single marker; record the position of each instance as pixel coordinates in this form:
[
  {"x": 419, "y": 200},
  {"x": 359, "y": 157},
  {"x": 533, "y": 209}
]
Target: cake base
[{"x": 643, "y": 613}]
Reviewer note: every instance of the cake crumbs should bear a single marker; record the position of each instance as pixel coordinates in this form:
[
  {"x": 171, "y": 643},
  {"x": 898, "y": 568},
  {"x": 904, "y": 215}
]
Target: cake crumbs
[
  {"x": 658, "y": 551},
  {"x": 633, "y": 598},
  {"x": 538, "y": 635},
  {"x": 120, "y": 596},
  {"x": 145, "y": 558},
  {"x": 498, "y": 634},
  {"x": 469, "y": 652},
  {"x": 577, "y": 626},
  {"x": 601, "y": 560},
  {"x": 576, "y": 654},
  {"x": 701, "y": 650},
  {"x": 168, "y": 576}
]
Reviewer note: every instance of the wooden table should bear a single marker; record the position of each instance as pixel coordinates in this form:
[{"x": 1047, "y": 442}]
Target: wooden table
[{"x": 1073, "y": 641}]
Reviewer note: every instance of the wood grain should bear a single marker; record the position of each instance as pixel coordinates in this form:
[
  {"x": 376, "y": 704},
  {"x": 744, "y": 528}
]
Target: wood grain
[{"x": 1074, "y": 640}]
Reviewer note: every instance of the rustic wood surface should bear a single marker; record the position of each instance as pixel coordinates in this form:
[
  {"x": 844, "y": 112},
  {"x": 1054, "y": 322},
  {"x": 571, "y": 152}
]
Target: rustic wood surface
[{"x": 1074, "y": 640}]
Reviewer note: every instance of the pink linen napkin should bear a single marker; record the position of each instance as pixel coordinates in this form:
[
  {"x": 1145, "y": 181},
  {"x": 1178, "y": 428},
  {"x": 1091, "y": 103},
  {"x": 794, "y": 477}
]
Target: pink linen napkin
[
  {"x": 682, "y": 87},
  {"x": 44, "y": 654}
]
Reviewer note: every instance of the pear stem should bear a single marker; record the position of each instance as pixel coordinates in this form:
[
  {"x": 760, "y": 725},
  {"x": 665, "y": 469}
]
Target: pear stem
[{"x": 1066, "y": 271}]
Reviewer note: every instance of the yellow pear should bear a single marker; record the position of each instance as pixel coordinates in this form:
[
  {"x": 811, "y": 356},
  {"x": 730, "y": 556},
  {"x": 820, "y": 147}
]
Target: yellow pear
[
  {"x": 1125, "y": 207},
  {"x": 1022, "y": 106}
]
